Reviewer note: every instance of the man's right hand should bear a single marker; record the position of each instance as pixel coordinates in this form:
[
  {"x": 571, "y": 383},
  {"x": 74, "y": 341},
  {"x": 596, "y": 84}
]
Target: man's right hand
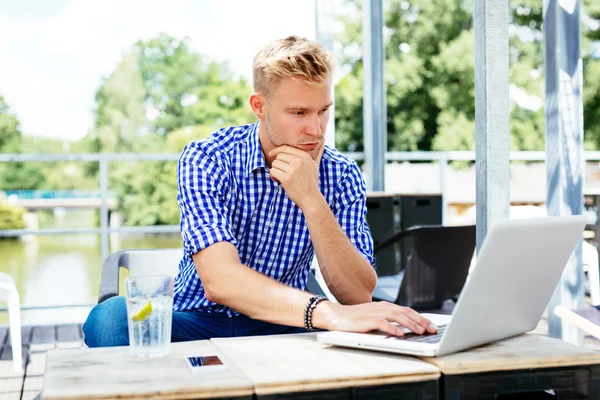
[{"x": 368, "y": 317}]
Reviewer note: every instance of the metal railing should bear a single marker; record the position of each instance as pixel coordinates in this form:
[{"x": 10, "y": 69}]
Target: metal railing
[
  {"x": 53, "y": 194},
  {"x": 443, "y": 158},
  {"x": 104, "y": 159}
]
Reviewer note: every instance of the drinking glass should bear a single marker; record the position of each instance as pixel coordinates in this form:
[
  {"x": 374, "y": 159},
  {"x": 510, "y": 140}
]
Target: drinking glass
[{"x": 149, "y": 315}]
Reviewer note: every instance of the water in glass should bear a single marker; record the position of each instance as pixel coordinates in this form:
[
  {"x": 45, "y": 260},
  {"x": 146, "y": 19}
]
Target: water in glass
[{"x": 149, "y": 314}]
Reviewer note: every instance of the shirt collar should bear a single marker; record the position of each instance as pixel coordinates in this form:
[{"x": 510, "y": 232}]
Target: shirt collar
[{"x": 256, "y": 158}]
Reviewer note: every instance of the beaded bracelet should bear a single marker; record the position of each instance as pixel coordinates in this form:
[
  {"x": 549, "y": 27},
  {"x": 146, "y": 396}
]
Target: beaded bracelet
[{"x": 308, "y": 310}]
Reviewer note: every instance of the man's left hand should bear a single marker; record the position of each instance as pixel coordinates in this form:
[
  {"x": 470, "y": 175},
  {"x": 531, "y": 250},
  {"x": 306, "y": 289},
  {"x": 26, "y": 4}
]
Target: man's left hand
[{"x": 297, "y": 172}]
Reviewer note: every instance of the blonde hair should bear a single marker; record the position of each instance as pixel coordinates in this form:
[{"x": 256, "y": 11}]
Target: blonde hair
[{"x": 291, "y": 57}]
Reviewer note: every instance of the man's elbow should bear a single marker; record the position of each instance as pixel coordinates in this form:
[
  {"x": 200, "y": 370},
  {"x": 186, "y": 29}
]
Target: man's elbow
[
  {"x": 371, "y": 281},
  {"x": 219, "y": 285},
  {"x": 368, "y": 293},
  {"x": 364, "y": 292},
  {"x": 211, "y": 293},
  {"x": 213, "y": 290}
]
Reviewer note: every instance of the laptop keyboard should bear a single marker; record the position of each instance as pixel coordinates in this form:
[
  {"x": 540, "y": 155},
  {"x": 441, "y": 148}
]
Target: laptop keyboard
[{"x": 425, "y": 338}]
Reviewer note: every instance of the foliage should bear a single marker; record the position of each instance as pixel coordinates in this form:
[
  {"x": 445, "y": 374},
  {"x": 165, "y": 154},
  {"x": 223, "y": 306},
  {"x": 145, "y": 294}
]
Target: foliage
[
  {"x": 15, "y": 175},
  {"x": 429, "y": 74},
  {"x": 11, "y": 217},
  {"x": 162, "y": 86},
  {"x": 147, "y": 189},
  {"x": 179, "y": 138},
  {"x": 120, "y": 113},
  {"x": 183, "y": 88},
  {"x": 161, "y": 96},
  {"x": 9, "y": 126}
]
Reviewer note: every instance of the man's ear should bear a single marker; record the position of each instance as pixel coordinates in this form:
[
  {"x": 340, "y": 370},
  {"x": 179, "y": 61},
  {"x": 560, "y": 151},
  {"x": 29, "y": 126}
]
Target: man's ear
[{"x": 257, "y": 103}]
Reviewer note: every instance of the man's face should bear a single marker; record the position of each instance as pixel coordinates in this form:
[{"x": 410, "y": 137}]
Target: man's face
[{"x": 297, "y": 113}]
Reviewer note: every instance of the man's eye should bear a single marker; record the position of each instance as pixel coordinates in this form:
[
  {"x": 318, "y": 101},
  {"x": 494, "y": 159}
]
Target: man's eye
[{"x": 298, "y": 112}]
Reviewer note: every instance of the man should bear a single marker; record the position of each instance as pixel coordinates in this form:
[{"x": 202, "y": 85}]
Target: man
[{"x": 257, "y": 203}]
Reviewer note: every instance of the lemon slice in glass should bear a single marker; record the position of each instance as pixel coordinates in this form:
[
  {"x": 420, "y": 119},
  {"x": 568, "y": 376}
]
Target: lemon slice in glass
[{"x": 143, "y": 313}]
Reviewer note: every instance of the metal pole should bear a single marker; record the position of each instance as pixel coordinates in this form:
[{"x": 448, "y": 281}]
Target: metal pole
[
  {"x": 443, "y": 169},
  {"x": 324, "y": 19},
  {"x": 564, "y": 145},
  {"x": 492, "y": 158},
  {"x": 374, "y": 111},
  {"x": 104, "y": 209}
]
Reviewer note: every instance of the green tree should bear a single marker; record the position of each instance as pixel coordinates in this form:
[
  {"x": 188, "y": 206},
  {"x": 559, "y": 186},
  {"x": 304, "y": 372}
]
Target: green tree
[
  {"x": 183, "y": 88},
  {"x": 147, "y": 189},
  {"x": 11, "y": 217},
  {"x": 120, "y": 113},
  {"x": 429, "y": 74},
  {"x": 15, "y": 175},
  {"x": 161, "y": 96},
  {"x": 161, "y": 86},
  {"x": 9, "y": 126}
]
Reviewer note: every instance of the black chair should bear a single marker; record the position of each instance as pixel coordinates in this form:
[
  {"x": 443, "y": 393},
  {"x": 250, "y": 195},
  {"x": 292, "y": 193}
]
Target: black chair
[
  {"x": 437, "y": 267},
  {"x": 153, "y": 262}
]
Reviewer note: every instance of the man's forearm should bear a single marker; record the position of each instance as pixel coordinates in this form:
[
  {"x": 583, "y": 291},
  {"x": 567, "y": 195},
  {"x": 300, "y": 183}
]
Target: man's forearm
[
  {"x": 256, "y": 295},
  {"x": 348, "y": 274}
]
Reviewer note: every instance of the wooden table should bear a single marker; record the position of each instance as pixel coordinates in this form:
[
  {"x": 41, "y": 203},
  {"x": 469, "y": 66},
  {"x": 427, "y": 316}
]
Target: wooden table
[
  {"x": 291, "y": 365},
  {"x": 260, "y": 367},
  {"x": 527, "y": 363},
  {"x": 109, "y": 373}
]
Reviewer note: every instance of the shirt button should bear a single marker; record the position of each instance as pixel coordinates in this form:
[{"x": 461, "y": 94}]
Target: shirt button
[
  {"x": 260, "y": 262},
  {"x": 271, "y": 224}
]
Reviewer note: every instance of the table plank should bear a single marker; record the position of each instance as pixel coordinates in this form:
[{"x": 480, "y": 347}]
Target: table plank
[
  {"x": 527, "y": 351},
  {"x": 10, "y": 386},
  {"x": 105, "y": 373},
  {"x": 68, "y": 336},
  {"x": 26, "y": 332},
  {"x": 31, "y": 395},
  {"x": 34, "y": 375},
  {"x": 6, "y": 360},
  {"x": 11, "y": 396},
  {"x": 43, "y": 334},
  {"x": 10, "y": 380},
  {"x": 68, "y": 333},
  {"x": 298, "y": 363},
  {"x": 43, "y": 338},
  {"x": 37, "y": 364},
  {"x": 33, "y": 383},
  {"x": 3, "y": 337}
]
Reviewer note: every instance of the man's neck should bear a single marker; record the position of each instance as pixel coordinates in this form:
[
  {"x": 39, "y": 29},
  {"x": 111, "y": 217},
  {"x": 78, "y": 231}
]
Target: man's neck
[{"x": 265, "y": 144}]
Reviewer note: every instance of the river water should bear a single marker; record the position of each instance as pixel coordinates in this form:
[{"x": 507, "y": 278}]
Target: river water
[{"x": 58, "y": 270}]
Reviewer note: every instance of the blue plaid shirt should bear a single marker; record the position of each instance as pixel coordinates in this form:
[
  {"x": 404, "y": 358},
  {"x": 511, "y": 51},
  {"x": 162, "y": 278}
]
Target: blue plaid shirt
[{"x": 225, "y": 193}]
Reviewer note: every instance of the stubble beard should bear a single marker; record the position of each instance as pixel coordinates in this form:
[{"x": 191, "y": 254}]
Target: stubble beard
[{"x": 276, "y": 139}]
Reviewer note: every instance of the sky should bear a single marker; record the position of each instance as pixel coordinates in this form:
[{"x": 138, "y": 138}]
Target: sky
[{"x": 54, "y": 53}]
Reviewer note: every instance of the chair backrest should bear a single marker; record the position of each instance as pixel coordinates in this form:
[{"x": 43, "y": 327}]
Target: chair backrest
[
  {"x": 313, "y": 286},
  {"x": 139, "y": 263},
  {"x": 438, "y": 266},
  {"x": 154, "y": 262}
]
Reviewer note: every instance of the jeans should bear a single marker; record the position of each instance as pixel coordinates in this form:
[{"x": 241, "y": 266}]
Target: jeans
[{"x": 107, "y": 325}]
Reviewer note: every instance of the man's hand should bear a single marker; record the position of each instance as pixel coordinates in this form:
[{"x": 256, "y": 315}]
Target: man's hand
[
  {"x": 297, "y": 172},
  {"x": 368, "y": 317}
]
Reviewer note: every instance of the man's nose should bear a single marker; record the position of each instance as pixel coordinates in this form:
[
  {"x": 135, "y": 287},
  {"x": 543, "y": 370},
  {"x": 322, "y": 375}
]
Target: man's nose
[{"x": 314, "y": 127}]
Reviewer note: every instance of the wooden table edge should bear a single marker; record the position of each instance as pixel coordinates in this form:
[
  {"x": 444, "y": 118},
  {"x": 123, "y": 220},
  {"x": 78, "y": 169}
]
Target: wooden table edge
[
  {"x": 526, "y": 364},
  {"x": 342, "y": 383},
  {"x": 155, "y": 395}
]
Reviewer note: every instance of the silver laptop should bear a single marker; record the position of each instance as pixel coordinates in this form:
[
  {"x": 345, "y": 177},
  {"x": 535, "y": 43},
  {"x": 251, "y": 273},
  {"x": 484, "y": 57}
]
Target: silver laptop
[{"x": 517, "y": 270}]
